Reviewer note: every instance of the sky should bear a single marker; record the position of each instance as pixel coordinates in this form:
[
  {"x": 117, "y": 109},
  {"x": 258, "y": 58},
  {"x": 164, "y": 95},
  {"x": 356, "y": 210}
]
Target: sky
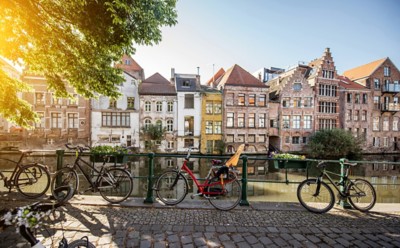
[{"x": 211, "y": 34}]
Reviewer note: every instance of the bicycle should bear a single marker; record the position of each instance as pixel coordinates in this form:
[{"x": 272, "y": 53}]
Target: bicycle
[
  {"x": 221, "y": 186},
  {"x": 114, "y": 184},
  {"x": 31, "y": 180},
  {"x": 65, "y": 193},
  {"x": 317, "y": 196}
]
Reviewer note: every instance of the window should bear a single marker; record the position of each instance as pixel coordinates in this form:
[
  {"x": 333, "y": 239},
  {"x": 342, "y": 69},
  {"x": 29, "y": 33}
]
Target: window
[
  {"x": 209, "y": 108},
  {"x": 286, "y": 102},
  {"x": 189, "y": 125},
  {"x": 159, "y": 106},
  {"x": 273, "y": 123},
  {"x": 147, "y": 123},
  {"x": 41, "y": 123},
  {"x": 304, "y": 140},
  {"x": 229, "y": 119},
  {"x": 377, "y": 84},
  {"x": 209, "y": 127},
  {"x": 130, "y": 102},
  {"x": 73, "y": 120},
  {"x": 287, "y": 139},
  {"x": 241, "y": 99},
  {"x": 55, "y": 100},
  {"x": 170, "y": 125},
  {"x": 189, "y": 101},
  {"x": 210, "y": 146},
  {"x": 328, "y": 74},
  {"x": 251, "y": 138},
  {"x": 147, "y": 106},
  {"x": 186, "y": 84},
  {"x": 170, "y": 146},
  {"x": 395, "y": 124},
  {"x": 73, "y": 100},
  {"x": 170, "y": 107},
  {"x": 116, "y": 119},
  {"x": 375, "y": 141},
  {"x": 217, "y": 127},
  {"x": 327, "y": 90},
  {"x": 240, "y": 138},
  {"x": 349, "y": 97},
  {"x": 357, "y": 98},
  {"x": 307, "y": 102},
  {"x": 39, "y": 98},
  {"x": 252, "y": 118},
  {"x": 261, "y": 120},
  {"x": 386, "y": 71},
  {"x": 188, "y": 142},
  {"x": 159, "y": 125},
  {"x": 217, "y": 107},
  {"x": 385, "y": 124},
  {"x": 112, "y": 104},
  {"x": 241, "y": 120},
  {"x": 307, "y": 121},
  {"x": 261, "y": 138},
  {"x": 252, "y": 100},
  {"x": 348, "y": 115},
  {"x": 297, "y": 102},
  {"x": 364, "y": 98},
  {"x": 297, "y": 86},
  {"x": 377, "y": 101},
  {"x": 327, "y": 107},
  {"x": 327, "y": 124},
  {"x": 285, "y": 122},
  {"x": 229, "y": 99},
  {"x": 375, "y": 124},
  {"x": 295, "y": 140},
  {"x": 229, "y": 138},
  {"x": 261, "y": 100},
  {"x": 364, "y": 115},
  {"x": 385, "y": 141},
  {"x": 356, "y": 114},
  {"x": 127, "y": 62},
  {"x": 296, "y": 121},
  {"x": 56, "y": 120}
]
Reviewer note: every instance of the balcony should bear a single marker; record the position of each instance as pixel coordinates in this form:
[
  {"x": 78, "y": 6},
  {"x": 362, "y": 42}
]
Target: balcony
[
  {"x": 390, "y": 107},
  {"x": 391, "y": 88}
]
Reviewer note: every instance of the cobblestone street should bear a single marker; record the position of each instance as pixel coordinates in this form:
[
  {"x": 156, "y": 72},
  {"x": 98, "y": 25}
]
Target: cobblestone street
[{"x": 136, "y": 225}]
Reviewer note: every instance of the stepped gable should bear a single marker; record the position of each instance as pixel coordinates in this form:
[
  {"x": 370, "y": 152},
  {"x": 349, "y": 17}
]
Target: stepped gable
[
  {"x": 237, "y": 76},
  {"x": 364, "y": 71},
  {"x": 345, "y": 82},
  {"x": 157, "y": 85},
  {"x": 213, "y": 82}
]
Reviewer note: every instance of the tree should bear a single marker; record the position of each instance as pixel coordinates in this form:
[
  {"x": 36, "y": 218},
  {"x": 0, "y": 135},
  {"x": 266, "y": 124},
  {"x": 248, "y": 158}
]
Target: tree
[
  {"x": 333, "y": 144},
  {"x": 153, "y": 134},
  {"x": 74, "y": 43}
]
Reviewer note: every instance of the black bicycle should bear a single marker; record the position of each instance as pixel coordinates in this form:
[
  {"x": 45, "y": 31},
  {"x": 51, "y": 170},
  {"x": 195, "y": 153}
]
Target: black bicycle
[
  {"x": 31, "y": 180},
  {"x": 115, "y": 184},
  {"x": 317, "y": 196}
]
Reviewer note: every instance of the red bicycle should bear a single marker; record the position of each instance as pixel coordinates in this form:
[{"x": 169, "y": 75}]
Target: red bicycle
[{"x": 221, "y": 186}]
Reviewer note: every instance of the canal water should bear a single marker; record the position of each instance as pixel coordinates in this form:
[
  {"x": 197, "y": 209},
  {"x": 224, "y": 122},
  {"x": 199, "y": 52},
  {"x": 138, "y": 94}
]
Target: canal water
[{"x": 265, "y": 182}]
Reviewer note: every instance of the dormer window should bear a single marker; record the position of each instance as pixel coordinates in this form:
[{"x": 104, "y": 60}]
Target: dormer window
[
  {"x": 127, "y": 61},
  {"x": 186, "y": 83}
]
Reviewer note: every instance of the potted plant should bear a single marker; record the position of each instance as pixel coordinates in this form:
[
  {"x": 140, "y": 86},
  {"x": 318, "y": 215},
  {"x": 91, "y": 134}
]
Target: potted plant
[
  {"x": 117, "y": 153},
  {"x": 289, "y": 161}
]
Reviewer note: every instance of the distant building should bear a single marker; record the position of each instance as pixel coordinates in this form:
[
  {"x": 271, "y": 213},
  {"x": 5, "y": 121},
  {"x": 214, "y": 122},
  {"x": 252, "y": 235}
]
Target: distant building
[
  {"x": 265, "y": 74},
  {"x": 245, "y": 110},
  {"x": 382, "y": 78},
  {"x": 130, "y": 66},
  {"x": 158, "y": 106}
]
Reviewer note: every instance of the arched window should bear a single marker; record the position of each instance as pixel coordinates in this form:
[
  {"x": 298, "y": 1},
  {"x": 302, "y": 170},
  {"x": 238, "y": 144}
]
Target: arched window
[
  {"x": 170, "y": 125},
  {"x": 147, "y": 106},
  {"x": 147, "y": 123},
  {"x": 159, "y": 125},
  {"x": 159, "y": 106}
]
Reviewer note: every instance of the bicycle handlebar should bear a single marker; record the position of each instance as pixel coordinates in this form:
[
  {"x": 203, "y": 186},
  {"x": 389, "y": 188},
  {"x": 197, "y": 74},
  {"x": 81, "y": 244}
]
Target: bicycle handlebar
[{"x": 321, "y": 164}]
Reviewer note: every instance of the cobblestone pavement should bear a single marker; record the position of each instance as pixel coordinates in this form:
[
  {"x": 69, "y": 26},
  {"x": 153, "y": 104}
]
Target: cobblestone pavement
[{"x": 154, "y": 226}]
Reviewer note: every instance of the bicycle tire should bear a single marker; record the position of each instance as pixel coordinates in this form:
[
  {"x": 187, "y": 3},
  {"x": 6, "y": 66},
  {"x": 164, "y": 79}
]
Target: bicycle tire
[
  {"x": 171, "y": 187},
  {"x": 81, "y": 243},
  {"x": 115, "y": 185},
  {"x": 361, "y": 194},
  {"x": 64, "y": 177},
  {"x": 228, "y": 199},
  {"x": 321, "y": 203},
  {"x": 32, "y": 180}
]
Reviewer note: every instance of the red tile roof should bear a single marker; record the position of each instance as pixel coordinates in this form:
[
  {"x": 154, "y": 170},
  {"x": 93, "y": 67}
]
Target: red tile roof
[
  {"x": 345, "y": 82},
  {"x": 133, "y": 66},
  {"x": 364, "y": 70},
  {"x": 157, "y": 85},
  {"x": 238, "y": 76},
  {"x": 215, "y": 79}
]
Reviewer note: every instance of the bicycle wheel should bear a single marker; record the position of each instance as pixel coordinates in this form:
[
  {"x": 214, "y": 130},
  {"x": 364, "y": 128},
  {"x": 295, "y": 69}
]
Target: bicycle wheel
[
  {"x": 224, "y": 197},
  {"x": 171, "y": 187},
  {"x": 32, "y": 180},
  {"x": 361, "y": 194},
  {"x": 115, "y": 185},
  {"x": 81, "y": 243},
  {"x": 64, "y": 177},
  {"x": 316, "y": 202}
]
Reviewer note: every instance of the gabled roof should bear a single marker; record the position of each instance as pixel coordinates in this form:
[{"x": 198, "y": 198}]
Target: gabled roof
[
  {"x": 346, "y": 83},
  {"x": 237, "y": 76},
  {"x": 364, "y": 70},
  {"x": 213, "y": 82},
  {"x": 157, "y": 85}
]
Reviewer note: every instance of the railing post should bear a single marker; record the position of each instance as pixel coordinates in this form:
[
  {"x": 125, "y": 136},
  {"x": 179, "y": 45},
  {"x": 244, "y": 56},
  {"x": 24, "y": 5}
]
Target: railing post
[
  {"x": 60, "y": 161},
  {"x": 150, "y": 198},
  {"x": 243, "y": 201},
  {"x": 343, "y": 202}
]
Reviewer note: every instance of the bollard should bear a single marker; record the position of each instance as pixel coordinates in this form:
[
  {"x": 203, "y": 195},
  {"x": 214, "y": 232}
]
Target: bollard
[
  {"x": 150, "y": 198},
  {"x": 243, "y": 201},
  {"x": 343, "y": 202},
  {"x": 60, "y": 161}
]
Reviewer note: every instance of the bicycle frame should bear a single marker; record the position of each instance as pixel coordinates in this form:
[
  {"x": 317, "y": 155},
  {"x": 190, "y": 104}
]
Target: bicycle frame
[
  {"x": 342, "y": 183},
  {"x": 9, "y": 182}
]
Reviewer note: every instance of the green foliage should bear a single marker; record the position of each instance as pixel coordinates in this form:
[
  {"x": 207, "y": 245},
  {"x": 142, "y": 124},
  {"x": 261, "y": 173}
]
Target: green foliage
[
  {"x": 75, "y": 43},
  {"x": 106, "y": 149},
  {"x": 220, "y": 146},
  {"x": 334, "y": 144},
  {"x": 288, "y": 156},
  {"x": 153, "y": 132}
]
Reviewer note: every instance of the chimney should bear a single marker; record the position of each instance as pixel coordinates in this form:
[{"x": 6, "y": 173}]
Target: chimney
[{"x": 172, "y": 74}]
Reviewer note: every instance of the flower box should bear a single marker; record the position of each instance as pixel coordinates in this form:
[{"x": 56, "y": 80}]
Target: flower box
[{"x": 290, "y": 164}]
